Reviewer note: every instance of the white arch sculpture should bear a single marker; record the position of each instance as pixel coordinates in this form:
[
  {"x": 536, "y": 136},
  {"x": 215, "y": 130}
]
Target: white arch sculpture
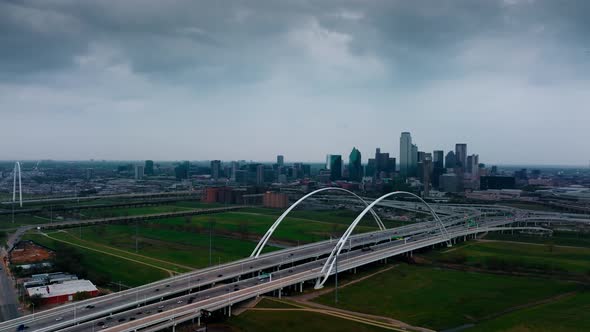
[
  {"x": 20, "y": 187},
  {"x": 272, "y": 228},
  {"x": 329, "y": 265}
]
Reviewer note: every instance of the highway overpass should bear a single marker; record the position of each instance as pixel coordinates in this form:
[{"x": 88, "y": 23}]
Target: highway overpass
[{"x": 166, "y": 303}]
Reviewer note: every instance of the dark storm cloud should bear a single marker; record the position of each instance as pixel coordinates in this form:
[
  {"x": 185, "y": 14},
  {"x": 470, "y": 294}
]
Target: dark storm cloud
[
  {"x": 164, "y": 37},
  {"x": 277, "y": 68}
]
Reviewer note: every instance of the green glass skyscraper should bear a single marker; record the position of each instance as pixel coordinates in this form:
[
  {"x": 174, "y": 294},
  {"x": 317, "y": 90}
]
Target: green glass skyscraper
[{"x": 355, "y": 167}]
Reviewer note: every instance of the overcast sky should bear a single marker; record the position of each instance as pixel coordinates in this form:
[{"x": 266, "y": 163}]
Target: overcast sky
[{"x": 171, "y": 80}]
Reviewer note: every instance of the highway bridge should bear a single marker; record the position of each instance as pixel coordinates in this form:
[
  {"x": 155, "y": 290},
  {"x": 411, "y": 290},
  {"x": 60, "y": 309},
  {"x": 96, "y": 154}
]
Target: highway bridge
[
  {"x": 53, "y": 199},
  {"x": 171, "y": 301}
]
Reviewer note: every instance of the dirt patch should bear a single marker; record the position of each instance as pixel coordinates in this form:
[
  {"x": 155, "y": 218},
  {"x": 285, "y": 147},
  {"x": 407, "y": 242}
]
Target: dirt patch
[{"x": 28, "y": 252}]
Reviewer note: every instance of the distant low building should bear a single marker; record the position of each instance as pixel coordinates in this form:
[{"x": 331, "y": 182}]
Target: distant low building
[
  {"x": 275, "y": 200},
  {"x": 62, "y": 292},
  {"x": 497, "y": 182}
]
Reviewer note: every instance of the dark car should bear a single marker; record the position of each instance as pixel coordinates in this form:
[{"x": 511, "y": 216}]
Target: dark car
[
  {"x": 121, "y": 320},
  {"x": 90, "y": 306}
]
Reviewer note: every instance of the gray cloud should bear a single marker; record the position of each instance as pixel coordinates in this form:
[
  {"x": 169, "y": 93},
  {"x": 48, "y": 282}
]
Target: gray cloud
[{"x": 234, "y": 79}]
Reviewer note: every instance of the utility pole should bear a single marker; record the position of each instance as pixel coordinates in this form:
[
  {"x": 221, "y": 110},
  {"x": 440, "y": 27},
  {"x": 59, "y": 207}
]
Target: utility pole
[
  {"x": 336, "y": 286},
  {"x": 210, "y": 240}
]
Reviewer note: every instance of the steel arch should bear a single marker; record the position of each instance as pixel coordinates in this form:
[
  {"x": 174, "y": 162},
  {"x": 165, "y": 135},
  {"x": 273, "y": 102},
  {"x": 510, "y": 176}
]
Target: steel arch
[
  {"x": 20, "y": 186},
  {"x": 329, "y": 265},
  {"x": 272, "y": 228}
]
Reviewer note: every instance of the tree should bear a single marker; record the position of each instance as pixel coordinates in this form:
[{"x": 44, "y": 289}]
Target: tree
[
  {"x": 79, "y": 296},
  {"x": 35, "y": 300}
]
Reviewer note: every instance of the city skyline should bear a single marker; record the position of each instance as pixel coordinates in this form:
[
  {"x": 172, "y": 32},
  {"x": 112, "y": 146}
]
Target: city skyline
[{"x": 249, "y": 81}]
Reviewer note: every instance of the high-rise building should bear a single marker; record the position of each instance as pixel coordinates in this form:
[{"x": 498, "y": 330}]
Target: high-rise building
[
  {"x": 355, "y": 166},
  {"x": 260, "y": 174},
  {"x": 280, "y": 160},
  {"x": 328, "y": 161},
  {"x": 461, "y": 155},
  {"x": 405, "y": 153},
  {"x": 335, "y": 167},
  {"x": 450, "y": 160},
  {"x": 235, "y": 166},
  {"x": 149, "y": 167},
  {"x": 438, "y": 167},
  {"x": 371, "y": 167},
  {"x": 384, "y": 165},
  {"x": 215, "y": 169},
  {"x": 438, "y": 158},
  {"x": 473, "y": 166},
  {"x": 413, "y": 160},
  {"x": 426, "y": 172},
  {"x": 182, "y": 170},
  {"x": 139, "y": 171}
]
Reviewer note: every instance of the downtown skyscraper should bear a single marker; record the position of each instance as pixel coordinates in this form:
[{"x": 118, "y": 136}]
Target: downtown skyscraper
[{"x": 405, "y": 154}]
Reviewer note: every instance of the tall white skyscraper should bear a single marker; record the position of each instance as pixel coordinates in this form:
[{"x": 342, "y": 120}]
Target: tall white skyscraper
[{"x": 405, "y": 153}]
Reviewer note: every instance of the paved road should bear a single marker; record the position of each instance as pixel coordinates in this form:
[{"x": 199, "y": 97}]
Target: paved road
[
  {"x": 63, "y": 316},
  {"x": 8, "y": 299}
]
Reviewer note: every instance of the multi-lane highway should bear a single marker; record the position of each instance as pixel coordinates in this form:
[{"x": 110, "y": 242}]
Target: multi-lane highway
[{"x": 170, "y": 301}]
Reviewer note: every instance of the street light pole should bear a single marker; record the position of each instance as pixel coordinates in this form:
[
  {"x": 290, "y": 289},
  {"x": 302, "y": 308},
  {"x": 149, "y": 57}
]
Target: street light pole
[
  {"x": 336, "y": 288},
  {"x": 210, "y": 240}
]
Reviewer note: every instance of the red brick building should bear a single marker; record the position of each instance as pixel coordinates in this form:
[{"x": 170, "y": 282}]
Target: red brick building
[
  {"x": 63, "y": 292},
  {"x": 275, "y": 200}
]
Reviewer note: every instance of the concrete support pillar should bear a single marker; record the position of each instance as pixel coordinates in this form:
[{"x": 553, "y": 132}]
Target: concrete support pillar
[
  {"x": 174, "y": 328},
  {"x": 229, "y": 311},
  {"x": 300, "y": 287},
  {"x": 199, "y": 321},
  {"x": 412, "y": 253},
  {"x": 280, "y": 292}
]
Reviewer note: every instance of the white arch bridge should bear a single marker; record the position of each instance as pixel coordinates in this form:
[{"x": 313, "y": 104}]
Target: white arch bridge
[{"x": 181, "y": 298}]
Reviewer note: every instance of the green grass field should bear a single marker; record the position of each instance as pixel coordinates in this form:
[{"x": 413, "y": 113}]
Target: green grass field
[
  {"x": 117, "y": 269},
  {"x": 270, "y": 303},
  {"x": 291, "y": 230},
  {"x": 441, "y": 299},
  {"x": 121, "y": 212},
  {"x": 20, "y": 220},
  {"x": 173, "y": 245},
  {"x": 568, "y": 314},
  {"x": 295, "y": 321},
  {"x": 575, "y": 239},
  {"x": 520, "y": 256}
]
